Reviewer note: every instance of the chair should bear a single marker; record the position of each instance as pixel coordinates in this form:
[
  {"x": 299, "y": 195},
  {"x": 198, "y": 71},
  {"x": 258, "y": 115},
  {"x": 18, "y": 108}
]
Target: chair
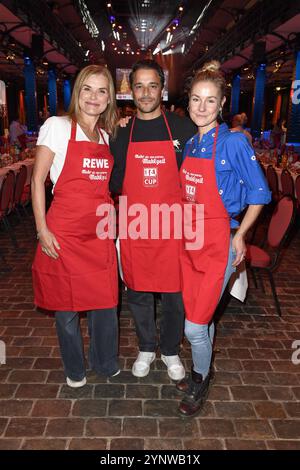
[
  {"x": 6, "y": 204},
  {"x": 297, "y": 189},
  {"x": 258, "y": 259},
  {"x": 273, "y": 182},
  {"x": 287, "y": 184},
  {"x": 19, "y": 188}
]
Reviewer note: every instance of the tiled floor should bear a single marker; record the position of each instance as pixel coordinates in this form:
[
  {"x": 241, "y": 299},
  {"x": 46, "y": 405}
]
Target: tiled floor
[{"x": 253, "y": 403}]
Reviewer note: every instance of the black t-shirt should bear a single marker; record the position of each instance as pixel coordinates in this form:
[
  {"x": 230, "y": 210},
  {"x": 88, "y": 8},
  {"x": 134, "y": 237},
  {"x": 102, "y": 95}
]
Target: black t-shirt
[{"x": 182, "y": 129}]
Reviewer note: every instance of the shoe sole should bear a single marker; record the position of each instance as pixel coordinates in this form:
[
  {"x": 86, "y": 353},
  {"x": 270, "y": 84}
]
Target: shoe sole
[
  {"x": 177, "y": 379},
  {"x": 80, "y": 384},
  {"x": 116, "y": 373}
]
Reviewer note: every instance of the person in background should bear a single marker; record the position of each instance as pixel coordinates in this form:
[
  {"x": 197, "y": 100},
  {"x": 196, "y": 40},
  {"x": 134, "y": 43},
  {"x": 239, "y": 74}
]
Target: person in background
[
  {"x": 244, "y": 119},
  {"x": 74, "y": 269},
  {"x": 237, "y": 126},
  {"x": 284, "y": 131},
  {"x": 17, "y": 133},
  {"x": 152, "y": 265},
  {"x": 277, "y": 134},
  {"x": 231, "y": 179}
]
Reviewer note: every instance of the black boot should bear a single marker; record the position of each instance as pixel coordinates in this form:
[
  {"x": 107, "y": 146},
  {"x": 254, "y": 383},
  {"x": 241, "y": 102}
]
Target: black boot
[
  {"x": 195, "y": 395},
  {"x": 183, "y": 385}
]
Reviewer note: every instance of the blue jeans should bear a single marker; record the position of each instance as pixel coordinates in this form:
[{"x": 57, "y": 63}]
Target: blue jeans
[
  {"x": 103, "y": 350},
  {"x": 201, "y": 336}
]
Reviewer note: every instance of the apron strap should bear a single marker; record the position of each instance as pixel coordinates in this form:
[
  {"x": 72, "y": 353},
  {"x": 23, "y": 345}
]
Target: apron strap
[
  {"x": 131, "y": 130},
  {"x": 215, "y": 142},
  {"x": 214, "y": 147},
  {"x": 167, "y": 126},
  {"x": 166, "y": 122},
  {"x": 73, "y": 130}
]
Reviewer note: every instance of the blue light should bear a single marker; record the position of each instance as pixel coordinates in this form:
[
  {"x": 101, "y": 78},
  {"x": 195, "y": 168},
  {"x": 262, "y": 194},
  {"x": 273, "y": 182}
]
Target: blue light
[{"x": 112, "y": 19}]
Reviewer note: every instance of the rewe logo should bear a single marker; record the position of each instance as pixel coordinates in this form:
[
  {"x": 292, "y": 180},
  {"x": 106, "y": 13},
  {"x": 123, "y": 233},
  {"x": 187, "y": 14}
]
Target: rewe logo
[{"x": 95, "y": 163}]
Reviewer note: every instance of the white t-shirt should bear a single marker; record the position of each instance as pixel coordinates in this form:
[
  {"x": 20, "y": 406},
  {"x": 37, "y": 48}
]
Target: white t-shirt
[{"x": 55, "y": 134}]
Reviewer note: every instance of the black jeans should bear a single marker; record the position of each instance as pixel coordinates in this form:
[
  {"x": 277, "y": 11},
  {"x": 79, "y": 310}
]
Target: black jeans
[
  {"x": 103, "y": 350},
  {"x": 141, "y": 305}
]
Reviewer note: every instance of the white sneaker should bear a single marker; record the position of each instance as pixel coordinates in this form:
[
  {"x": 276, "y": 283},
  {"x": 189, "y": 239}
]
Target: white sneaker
[
  {"x": 75, "y": 383},
  {"x": 176, "y": 370},
  {"x": 141, "y": 367},
  {"x": 116, "y": 373}
]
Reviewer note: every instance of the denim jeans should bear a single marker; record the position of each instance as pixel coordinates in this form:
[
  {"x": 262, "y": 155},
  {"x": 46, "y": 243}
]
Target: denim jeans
[
  {"x": 201, "y": 336},
  {"x": 141, "y": 305},
  {"x": 103, "y": 350}
]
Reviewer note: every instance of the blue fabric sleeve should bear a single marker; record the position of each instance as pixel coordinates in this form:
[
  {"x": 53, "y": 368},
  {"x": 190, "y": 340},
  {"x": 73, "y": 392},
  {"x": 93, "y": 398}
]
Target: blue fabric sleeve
[{"x": 244, "y": 164}]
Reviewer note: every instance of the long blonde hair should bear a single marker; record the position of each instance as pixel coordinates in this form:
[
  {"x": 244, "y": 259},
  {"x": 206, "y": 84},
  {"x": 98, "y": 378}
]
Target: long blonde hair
[{"x": 109, "y": 118}]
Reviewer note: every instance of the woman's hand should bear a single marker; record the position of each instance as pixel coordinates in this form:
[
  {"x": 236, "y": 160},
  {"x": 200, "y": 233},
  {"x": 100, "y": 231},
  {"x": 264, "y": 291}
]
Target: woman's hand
[
  {"x": 48, "y": 243},
  {"x": 124, "y": 121},
  {"x": 239, "y": 246}
]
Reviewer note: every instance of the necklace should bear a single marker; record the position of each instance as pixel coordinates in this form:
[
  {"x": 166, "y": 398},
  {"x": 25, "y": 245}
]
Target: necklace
[{"x": 93, "y": 136}]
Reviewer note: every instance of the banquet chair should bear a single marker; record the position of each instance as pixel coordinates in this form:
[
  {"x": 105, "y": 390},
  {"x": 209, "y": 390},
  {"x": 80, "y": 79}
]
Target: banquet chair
[
  {"x": 297, "y": 189},
  {"x": 19, "y": 188},
  {"x": 287, "y": 184},
  {"x": 273, "y": 182},
  {"x": 267, "y": 259},
  {"x": 6, "y": 205}
]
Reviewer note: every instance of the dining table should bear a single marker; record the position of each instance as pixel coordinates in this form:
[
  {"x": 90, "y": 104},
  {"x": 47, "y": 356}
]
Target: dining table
[
  {"x": 293, "y": 169},
  {"x": 15, "y": 167}
]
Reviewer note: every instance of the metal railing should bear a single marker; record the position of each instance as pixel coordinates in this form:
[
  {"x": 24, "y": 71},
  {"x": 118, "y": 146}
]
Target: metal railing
[
  {"x": 38, "y": 16},
  {"x": 256, "y": 23}
]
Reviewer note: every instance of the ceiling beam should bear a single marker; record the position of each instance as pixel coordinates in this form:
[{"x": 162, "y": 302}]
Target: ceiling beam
[
  {"x": 39, "y": 17},
  {"x": 254, "y": 25}
]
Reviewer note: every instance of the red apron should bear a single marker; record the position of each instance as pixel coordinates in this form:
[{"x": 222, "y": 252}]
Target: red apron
[
  {"x": 84, "y": 277},
  {"x": 203, "y": 269},
  {"x": 151, "y": 177}
]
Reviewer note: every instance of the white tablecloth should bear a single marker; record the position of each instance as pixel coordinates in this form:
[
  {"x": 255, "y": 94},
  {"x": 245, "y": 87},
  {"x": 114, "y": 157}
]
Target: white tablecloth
[{"x": 29, "y": 162}]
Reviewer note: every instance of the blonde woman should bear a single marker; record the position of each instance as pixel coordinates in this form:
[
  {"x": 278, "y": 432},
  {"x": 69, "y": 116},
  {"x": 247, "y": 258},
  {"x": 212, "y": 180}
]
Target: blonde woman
[
  {"x": 73, "y": 269},
  {"x": 231, "y": 179}
]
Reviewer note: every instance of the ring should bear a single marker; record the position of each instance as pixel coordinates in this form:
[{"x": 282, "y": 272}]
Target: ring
[{"x": 44, "y": 250}]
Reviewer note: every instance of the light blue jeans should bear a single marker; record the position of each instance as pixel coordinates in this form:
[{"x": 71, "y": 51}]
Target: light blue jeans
[{"x": 201, "y": 336}]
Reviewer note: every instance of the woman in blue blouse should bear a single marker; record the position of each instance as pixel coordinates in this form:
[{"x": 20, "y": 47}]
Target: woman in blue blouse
[{"x": 219, "y": 173}]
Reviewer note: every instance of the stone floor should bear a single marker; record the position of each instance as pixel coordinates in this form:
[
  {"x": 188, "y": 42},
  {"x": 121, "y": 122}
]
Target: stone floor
[{"x": 253, "y": 403}]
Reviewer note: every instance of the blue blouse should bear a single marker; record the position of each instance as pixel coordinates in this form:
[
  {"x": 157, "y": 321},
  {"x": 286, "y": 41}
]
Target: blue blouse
[{"x": 239, "y": 176}]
